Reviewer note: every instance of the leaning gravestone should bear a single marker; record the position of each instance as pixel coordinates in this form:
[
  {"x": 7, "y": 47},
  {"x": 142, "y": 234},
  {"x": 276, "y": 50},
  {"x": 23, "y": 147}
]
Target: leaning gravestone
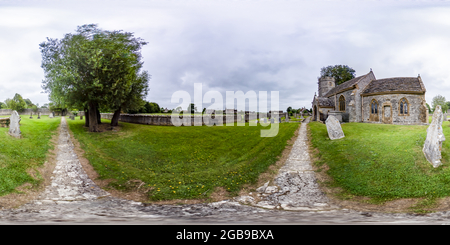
[
  {"x": 14, "y": 124},
  {"x": 334, "y": 128},
  {"x": 433, "y": 143}
]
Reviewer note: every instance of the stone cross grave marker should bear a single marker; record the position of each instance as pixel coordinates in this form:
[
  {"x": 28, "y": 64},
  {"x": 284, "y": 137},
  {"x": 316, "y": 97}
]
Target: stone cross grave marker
[
  {"x": 14, "y": 125},
  {"x": 334, "y": 128},
  {"x": 435, "y": 136}
]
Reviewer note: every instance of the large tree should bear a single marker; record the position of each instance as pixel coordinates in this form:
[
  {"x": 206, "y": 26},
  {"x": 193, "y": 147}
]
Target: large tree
[
  {"x": 17, "y": 103},
  {"x": 94, "y": 68},
  {"x": 439, "y": 100},
  {"x": 341, "y": 73}
]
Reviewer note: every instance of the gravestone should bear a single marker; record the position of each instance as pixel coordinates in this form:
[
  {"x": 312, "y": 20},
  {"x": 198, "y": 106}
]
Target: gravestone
[
  {"x": 39, "y": 115},
  {"x": 265, "y": 120},
  {"x": 50, "y": 115},
  {"x": 81, "y": 117},
  {"x": 286, "y": 119},
  {"x": 272, "y": 121},
  {"x": 14, "y": 124},
  {"x": 31, "y": 115},
  {"x": 433, "y": 143},
  {"x": 279, "y": 119},
  {"x": 334, "y": 128}
]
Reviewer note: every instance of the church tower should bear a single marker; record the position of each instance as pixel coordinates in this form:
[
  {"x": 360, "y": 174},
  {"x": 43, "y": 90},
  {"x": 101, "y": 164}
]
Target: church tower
[{"x": 325, "y": 85}]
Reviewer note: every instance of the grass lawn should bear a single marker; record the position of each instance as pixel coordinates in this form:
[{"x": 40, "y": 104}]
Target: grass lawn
[
  {"x": 382, "y": 161},
  {"x": 17, "y": 156},
  {"x": 182, "y": 162}
]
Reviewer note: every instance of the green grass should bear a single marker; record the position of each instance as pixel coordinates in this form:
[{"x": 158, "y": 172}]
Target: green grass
[
  {"x": 17, "y": 156},
  {"x": 182, "y": 162},
  {"x": 382, "y": 161}
]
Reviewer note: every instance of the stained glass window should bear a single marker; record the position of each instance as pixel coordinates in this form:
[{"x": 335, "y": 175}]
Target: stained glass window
[
  {"x": 403, "y": 107},
  {"x": 374, "y": 106}
]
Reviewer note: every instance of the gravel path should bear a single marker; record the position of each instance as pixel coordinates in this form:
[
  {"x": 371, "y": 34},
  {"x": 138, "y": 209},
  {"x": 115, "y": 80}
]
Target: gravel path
[{"x": 73, "y": 198}]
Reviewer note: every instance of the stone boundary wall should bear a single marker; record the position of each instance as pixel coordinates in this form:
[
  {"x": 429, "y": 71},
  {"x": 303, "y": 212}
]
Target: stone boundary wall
[
  {"x": 166, "y": 120},
  {"x": 43, "y": 111}
]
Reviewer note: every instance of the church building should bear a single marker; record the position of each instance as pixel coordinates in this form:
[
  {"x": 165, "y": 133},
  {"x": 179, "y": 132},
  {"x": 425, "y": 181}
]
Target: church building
[{"x": 398, "y": 100}]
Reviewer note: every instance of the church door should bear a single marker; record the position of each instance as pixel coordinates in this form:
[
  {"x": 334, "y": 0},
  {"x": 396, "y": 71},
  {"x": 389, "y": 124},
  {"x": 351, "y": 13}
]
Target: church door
[{"x": 387, "y": 114}]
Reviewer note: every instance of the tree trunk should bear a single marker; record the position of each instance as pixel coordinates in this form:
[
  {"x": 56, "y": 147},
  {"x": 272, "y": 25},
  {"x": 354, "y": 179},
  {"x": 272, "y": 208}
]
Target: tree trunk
[
  {"x": 115, "y": 118},
  {"x": 86, "y": 117},
  {"x": 99, "y": 119},
  {"x": 93, "y": 123}
]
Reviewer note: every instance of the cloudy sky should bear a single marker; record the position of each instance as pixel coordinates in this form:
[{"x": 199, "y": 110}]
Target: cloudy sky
[{"x": 232, "y": 45}]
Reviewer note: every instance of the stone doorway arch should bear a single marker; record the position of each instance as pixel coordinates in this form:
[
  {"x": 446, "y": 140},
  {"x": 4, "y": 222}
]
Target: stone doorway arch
[{"x": 387, "y": 112}]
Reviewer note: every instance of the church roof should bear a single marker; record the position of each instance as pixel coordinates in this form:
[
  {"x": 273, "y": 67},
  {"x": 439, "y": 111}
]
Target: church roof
[
  {"x": 325, "y": 102},
  {"x": 345, "y": 86},
  {"x": 395, "y": 85}
]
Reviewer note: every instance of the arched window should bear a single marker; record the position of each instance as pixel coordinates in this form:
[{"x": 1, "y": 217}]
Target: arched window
[
  {"x": 374, "y": 107},
  {"x": 342, "y": 103},
  {"x": 403, "y": 107}
]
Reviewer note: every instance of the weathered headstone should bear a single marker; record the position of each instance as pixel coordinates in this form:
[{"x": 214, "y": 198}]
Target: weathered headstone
[
  {"x": 286, "y": 119},
  {"x": 14, "y": 125},
  {"x": 334, "y": 128},
  {"x": 433, "y": 143},
  {"x": 31, "y": 115},
  {"x": 39, "y": 115},
  {"x": 50, "y": 115},
  {"x": 81, "y": 117}
]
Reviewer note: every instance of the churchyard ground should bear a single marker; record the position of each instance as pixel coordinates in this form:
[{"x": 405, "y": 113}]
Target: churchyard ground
[
  {"x": 20, "y": 159},
  {"x": 173, "y": 163},
  {"x": 381, "y": 161}
]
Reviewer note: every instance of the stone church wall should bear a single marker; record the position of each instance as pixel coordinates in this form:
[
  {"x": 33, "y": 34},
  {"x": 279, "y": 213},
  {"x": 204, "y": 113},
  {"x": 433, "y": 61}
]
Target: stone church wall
[{"x": 417, "y": 111}]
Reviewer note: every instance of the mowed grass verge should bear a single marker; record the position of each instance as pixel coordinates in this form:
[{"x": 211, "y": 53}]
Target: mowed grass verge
[
  {"x": 181, "y": 162},
  {"x": 382, "y": 161},
  {"x": 19, "y": 156}
]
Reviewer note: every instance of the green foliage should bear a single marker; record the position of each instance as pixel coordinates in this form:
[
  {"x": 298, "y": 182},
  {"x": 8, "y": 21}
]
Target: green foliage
[
  {"x": 439, "y": 100},
  {"x": 95, "y": 68},
  {"x": 192, "y": 108},
  {"x": 148, "y": 107},
  {"x": 341, "y": 73},
  {"x": 17, "y": 103},
  {"x": 182, "y": 162},
  {"x": 429, "y": 108}
]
